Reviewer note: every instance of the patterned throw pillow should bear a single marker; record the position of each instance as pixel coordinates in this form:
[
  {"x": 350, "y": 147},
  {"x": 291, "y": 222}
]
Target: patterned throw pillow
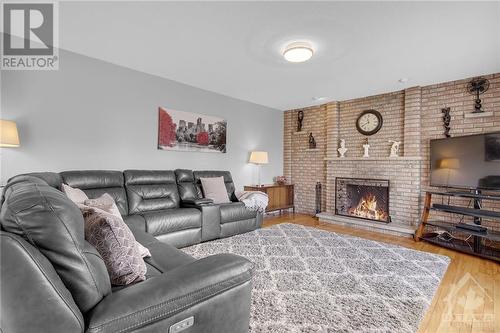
[
  {"x": 106, "y": 203},
  {"x": 116, "y": 244}
]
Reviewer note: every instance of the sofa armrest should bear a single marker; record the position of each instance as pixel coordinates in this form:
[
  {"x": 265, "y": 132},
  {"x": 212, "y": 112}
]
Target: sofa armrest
[
  {"x": 186, "y": 291},
  {"x": 196, "y": 202},
  {"x": 32, "y": 291},
  {"x": 210, "y": 217}
]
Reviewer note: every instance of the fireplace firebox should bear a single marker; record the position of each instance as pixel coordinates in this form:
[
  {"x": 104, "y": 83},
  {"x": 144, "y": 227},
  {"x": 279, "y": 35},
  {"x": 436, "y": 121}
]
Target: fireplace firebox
[{"x": 362, "y": 198}]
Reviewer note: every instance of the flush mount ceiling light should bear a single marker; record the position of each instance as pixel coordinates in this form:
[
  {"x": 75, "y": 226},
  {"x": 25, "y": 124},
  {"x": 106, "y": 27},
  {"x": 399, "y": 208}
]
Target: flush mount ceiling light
[{"x": 298, "y": 52}]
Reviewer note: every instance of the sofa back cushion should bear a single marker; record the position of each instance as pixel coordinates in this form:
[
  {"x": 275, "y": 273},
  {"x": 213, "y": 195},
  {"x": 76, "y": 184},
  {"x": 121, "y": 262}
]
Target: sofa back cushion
[
  {"x": 48, "y": 220},
  {"x": 186, "y": 186},
  {"x": 228, "y": 181},
  {"x": 52, "y": 178},
  {"x": 150, "y": 190},
  {"x": 96, "y": 182}
]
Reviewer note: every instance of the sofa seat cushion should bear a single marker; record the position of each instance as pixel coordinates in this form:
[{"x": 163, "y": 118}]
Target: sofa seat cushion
[
  {"x": 164, "y": 257},
  {"x": 171, "y": 220},
  {"x": 235, "y": 211},
  {"x": 135, "y": 221}
]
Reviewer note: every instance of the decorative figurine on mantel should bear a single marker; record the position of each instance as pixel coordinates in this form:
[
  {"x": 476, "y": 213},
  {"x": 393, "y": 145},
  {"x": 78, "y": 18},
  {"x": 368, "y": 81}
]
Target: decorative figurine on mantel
[
  {"x": 342, "y": 150},
  {"x": 394, "y": 148},
  {"x": 366, "y": 148},
  {"x": 312, "y": 141},
  {"x": 300, "y": 118}
]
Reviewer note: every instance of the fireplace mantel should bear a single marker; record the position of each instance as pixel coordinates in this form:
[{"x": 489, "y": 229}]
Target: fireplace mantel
[{"x": 401, "y": 158}]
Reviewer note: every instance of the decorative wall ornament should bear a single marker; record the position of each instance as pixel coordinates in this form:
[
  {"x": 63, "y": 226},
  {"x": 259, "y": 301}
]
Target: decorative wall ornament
[
  {"x": 300, "y": 118},
  {"x": 366, "y": 148},
  {"x": 478, "y": 86},
  {"x": 280, "y": 180},
  {"x": 446, "y": 121},
  {"x": 187, "y": 131},
  {"x": 312, "y": 141},
  {"x": 369, "y": 122},
  {"x": 342, "y": 150},
  {"x": 394, "y": 148}
]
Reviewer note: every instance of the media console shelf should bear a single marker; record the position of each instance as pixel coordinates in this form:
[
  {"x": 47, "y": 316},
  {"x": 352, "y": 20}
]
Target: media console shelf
[{"x": 477, "y": 246}]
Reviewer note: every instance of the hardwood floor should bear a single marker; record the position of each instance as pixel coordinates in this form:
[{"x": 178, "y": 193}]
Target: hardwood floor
[{"x": 468, "y": 299}]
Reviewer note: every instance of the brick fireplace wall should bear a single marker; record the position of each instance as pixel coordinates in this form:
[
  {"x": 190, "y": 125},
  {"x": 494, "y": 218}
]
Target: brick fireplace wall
[
  {"x": 412, "y": 116},
  {"x": 301, "y": 164}
]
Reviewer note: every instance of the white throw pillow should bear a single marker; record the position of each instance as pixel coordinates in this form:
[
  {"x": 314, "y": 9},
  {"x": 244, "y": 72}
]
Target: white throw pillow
[
  {"x": 74, "y": 194},
  {"x": 215, "y": 189}
]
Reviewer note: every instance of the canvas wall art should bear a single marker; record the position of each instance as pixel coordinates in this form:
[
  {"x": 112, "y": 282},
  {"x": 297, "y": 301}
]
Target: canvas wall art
[{"x": 187, "y": 131}]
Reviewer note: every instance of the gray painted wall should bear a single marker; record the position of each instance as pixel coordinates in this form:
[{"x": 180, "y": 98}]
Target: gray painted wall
[{"x": 95, "y": 115}]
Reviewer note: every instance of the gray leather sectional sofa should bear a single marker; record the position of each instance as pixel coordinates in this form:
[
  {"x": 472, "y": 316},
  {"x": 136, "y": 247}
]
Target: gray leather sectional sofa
[{"x": 52, "y": 280}]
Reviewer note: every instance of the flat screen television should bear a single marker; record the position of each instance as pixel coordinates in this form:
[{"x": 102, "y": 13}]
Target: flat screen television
[{"x": 466, "y": 162}]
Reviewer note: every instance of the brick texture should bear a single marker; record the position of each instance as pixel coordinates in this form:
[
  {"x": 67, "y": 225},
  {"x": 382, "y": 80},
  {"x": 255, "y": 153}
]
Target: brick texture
[
  {"x": 454, "y": 95},
  {"x": 412, "y": 116},
  {"x": 305, "y": 167}
]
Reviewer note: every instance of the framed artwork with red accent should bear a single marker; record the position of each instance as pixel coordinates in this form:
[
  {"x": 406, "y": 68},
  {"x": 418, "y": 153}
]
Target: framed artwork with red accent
[{"x": 193, "y": 132}]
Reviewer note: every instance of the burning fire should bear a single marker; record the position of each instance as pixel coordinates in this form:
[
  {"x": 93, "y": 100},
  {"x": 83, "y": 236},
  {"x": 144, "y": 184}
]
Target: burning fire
[{"x": 367, "y": 208}]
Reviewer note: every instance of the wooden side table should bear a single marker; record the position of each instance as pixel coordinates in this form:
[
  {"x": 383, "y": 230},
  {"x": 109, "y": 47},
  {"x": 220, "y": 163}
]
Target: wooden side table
[{"x": 280, "y": 196}]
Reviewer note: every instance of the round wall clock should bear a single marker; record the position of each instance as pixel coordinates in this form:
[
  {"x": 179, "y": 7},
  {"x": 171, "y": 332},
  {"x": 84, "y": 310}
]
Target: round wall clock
[{"x": 369, "y": 122}]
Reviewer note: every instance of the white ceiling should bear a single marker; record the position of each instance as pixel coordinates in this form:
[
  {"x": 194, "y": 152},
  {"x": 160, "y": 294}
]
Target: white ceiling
[{"x": 233, "y": 48}]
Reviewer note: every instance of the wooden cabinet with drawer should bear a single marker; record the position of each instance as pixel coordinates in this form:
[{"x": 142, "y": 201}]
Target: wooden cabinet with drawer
[{"x": 280, "y": 196}]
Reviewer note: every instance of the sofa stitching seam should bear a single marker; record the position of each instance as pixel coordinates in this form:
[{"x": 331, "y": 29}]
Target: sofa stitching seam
[
  {"x": 151, "y": 308},
  {"x": 179, "y": 308}
]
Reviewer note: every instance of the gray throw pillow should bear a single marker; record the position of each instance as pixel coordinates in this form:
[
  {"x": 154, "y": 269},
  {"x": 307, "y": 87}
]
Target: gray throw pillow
[
  {"x": 74, "y": 194},
  {"x": 215, "y": 189}
]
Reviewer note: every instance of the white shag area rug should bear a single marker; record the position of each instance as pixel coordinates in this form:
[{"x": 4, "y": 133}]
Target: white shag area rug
[{"x": 309, "y": 280}]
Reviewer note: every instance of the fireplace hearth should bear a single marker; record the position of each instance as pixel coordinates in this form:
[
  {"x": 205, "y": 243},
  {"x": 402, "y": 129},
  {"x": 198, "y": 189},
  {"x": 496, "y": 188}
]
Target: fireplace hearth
[{"x": 362, "y": 198}]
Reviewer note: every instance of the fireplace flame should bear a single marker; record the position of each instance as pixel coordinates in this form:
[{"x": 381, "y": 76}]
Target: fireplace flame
[{"x": 367, "y": 208}]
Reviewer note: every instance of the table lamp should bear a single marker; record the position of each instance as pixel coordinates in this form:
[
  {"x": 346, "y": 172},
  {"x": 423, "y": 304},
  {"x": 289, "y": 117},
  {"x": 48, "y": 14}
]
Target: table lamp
[
  {"x": 259, "y": 158},
  {"x": 8, "y": 134}
]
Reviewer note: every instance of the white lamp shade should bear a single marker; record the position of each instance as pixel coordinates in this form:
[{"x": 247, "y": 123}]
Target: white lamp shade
[
  {"x": 8, "y": 134},
  {"x": 259, "y": 157}
]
